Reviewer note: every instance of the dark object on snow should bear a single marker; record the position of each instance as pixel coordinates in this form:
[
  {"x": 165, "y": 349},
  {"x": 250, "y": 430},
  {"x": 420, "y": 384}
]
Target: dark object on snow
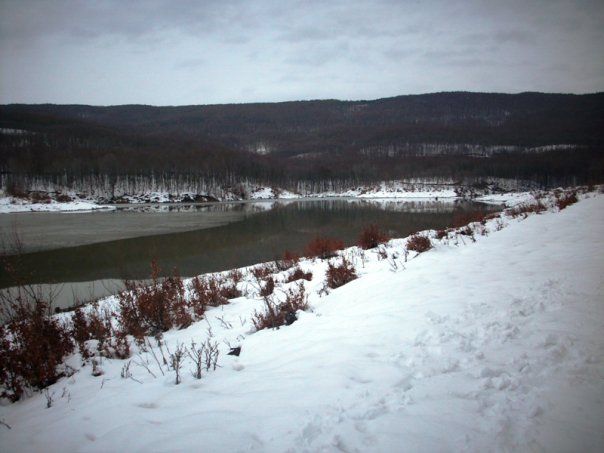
[
  {"x": 235, "y": 351},
  {"x": 290, "y": 318}
]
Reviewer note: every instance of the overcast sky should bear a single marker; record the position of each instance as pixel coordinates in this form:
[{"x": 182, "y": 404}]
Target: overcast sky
[{"x": 165, "y": 52}]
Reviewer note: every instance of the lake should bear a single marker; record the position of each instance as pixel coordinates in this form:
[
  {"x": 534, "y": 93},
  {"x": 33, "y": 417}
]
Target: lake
[{"x": 92, "y": 252}]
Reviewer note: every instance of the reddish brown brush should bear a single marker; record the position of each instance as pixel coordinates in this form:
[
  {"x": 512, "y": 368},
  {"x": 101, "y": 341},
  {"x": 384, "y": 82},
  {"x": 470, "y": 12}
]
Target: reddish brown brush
[
  {"x": 275, "y": 316},
  {"x": 155, "y": 308},
  {"x": 323, "y": 247},
  {"x": 462, "y": 218},
  {"x": 341, "y": 274},
  {"x": 90, "y": 326},
  {"x": 419, "y": 243},
  {"x": 526, "y": 209},
  {"x": 440, "y": 234},
  {"x": 298, "y": 274},
  {"x": 289, "y": 260},
  {"x": 62, "y": 198},
  {"x": 268, "y": 288},
  {"x": 40, "y": 197},
  {"x": 32, "y": 346},
  {"x": 262, "y": 271},
  {"x": 207, "y": 292},
  {"x": 230, "y": 292},
  {"x": 371, "y": 237},
  {"x": 566, "y": 200},
  {"x": 235, "y": 276}
]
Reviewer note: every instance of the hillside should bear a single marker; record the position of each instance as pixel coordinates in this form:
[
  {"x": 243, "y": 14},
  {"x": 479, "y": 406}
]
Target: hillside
[
  {"x": 548, "y": 138},
  {"x": 493, "y": 345}
]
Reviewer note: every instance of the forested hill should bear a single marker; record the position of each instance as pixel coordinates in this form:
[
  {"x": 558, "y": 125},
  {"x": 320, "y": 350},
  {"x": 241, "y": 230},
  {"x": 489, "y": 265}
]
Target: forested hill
[
  {"x": 294, "y": 128},
  {"x": 384, "y": 138}
]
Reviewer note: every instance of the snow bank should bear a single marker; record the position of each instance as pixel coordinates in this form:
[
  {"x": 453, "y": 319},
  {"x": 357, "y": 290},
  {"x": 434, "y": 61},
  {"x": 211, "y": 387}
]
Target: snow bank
[
  {"x": 395, "y": 189},
  {"x": 509, "y": 199},
  {"x": 268, "y": 193},
  {"x": 493, "y": 345},
  {"x": 10, "y": 205}
]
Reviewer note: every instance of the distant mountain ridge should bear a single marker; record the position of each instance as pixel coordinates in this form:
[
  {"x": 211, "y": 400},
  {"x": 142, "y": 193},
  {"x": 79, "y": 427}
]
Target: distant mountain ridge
[
  {"x": 547, "y": 138},
  {"x": 310, "y": 127}
]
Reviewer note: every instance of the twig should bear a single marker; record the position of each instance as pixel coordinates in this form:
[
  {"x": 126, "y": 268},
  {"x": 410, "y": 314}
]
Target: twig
[{"x": 3, "y": 423}]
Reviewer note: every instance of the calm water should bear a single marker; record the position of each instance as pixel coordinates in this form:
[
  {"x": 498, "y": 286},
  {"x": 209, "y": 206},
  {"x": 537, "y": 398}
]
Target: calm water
[{"x": 195, "y": 239}]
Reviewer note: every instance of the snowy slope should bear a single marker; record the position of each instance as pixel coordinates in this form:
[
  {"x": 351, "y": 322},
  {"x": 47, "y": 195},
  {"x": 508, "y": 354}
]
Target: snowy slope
[{"x": 489, "y": 346}]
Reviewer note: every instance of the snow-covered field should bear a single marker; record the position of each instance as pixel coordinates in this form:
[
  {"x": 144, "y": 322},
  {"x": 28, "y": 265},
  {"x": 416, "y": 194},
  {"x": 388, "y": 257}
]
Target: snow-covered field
[
  {"x": 493, "y": 345},
  {"x": 10, "y": 204}
]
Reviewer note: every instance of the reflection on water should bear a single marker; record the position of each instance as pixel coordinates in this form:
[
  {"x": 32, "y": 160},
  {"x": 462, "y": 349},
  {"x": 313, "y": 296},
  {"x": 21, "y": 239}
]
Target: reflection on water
[{"x": 265, "y": 231}]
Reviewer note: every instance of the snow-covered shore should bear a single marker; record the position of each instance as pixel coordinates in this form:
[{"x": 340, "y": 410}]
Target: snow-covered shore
[
  {"x": 392, "y": 189},
  {"x": 10, "y": 205},
  {"x": 492, "y": 345}
]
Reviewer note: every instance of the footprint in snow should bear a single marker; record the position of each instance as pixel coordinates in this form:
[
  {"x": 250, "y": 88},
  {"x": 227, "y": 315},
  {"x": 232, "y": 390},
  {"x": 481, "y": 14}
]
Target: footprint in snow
[{"x": 148, "y": 405}]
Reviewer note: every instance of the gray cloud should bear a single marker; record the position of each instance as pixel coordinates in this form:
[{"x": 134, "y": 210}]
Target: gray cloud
[{"x": 186, "y": 51}]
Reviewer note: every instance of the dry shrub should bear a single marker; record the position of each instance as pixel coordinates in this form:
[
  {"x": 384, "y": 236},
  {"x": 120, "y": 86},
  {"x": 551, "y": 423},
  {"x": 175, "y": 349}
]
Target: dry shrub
[
  {"x": 419, "y": 243},
  {"x": 205, "y": 292},
  {"x": 230, "y": 292},
  {"x": 462, "y": 218},
  {"x": 32, "y": 348},
  {"x": 63, "y": 198},
  {"x": 566, "y": 200},
  {"x": 90, "y": 326},
  {"x": 268, "y": 288},
  {"x": 14, "y": 189},
  {"x": 40, "y": 197},
  {"x": 467, "y": 231},
  {"x": 371, "y": 237},
  {"x": 262, "y": 271},
  {"x": 235, "y": 276},
  {"x": 298, "y": 274},
  {"x": 339, "y": 275},
  {"x": 440, "y": 234},
  {"x": 289, "y": 260},
  {"x": 155, "y": 308},
  {"x": 323, "y": 247},
  {"x": 284, "y": 314},
  {"x": 526, "y": 209},
  {"x": 291, "y": 257}
]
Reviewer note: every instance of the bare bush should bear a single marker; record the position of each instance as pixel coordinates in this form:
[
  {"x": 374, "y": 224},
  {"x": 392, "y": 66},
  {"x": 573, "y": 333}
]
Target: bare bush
[
  {"x": 176, "y": 362},
  {"x": 63, "y": 198},
  {"x": 276, "y": 315},
  {"x": 40, "y": 197},
  {"x": 155, "y": 308},
  {"x": 262, "y": 271},
  {"x": 339, "y": 275},
  {"x": 526, "y": 209},
  {"x": 323, "y": 247},
  {"x": 371, "y": 237},
  {"x": 462, "y": 218},
  {"x": 207, "y": 292},
  {"x": 289, "y": 260},
  {"x": 235, "y": 276},
  {"x": 32, "y": 348},
  {"x": 418, "y": 243},
  {"x": 440, "y": 234},
  {"x": 268, "y": 287},
  {"x": 566, "y": 200},
  {"x": 90, "y": 326},
  {"x": 298, "y": 274}
]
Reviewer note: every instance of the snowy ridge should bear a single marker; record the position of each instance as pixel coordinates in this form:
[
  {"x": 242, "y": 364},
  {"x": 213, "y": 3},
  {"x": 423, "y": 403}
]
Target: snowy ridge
[{"x": 489, "y": 342}]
